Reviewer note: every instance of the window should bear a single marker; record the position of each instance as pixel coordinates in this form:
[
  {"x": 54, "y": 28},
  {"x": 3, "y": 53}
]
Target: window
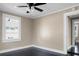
[{"x": 11, "y": 28}]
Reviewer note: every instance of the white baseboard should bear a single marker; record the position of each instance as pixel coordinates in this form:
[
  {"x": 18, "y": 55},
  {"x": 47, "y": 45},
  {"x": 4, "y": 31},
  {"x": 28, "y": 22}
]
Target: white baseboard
[
  {"x": 49, "y": 49},
  {"x": 13, "y": 49}
]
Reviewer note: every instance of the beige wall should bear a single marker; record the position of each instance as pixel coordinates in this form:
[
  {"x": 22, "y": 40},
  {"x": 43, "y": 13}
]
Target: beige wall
[
  {"x": 49, "y": 31},
  {"x": 26, "y": 34},
  {"x": 69, "y": 35}
]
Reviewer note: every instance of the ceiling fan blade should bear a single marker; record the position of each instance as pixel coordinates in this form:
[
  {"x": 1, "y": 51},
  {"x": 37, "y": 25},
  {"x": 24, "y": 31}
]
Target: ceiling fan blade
[
  {"x": 38, "y": 9},
  {"x": 21, "y": 6},
  {"x": 37, "y": 4}
]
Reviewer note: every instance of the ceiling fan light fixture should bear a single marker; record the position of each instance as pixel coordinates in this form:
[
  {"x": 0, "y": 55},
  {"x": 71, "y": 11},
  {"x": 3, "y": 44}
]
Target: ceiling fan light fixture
[
  {"x": 34, "y": 6},
  {"x": 27, "y": 12}
]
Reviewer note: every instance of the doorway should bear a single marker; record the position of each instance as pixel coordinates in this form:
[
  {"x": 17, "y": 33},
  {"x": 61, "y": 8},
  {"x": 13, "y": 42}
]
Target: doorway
[
  {"x": 71, "y": 28},
  {"x": 75, "y": 35}
]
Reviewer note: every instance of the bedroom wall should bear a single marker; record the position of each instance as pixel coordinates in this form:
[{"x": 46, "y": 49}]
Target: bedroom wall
[{"x": 49, "y": 31}]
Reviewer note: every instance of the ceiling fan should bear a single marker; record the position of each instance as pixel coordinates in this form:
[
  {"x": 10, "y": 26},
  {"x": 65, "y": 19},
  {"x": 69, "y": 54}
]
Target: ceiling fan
[{"x": 34, "y": 5}]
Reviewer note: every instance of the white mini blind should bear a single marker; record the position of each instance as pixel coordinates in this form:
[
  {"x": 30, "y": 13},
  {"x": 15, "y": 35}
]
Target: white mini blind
[{"x": 11, "y": 28}]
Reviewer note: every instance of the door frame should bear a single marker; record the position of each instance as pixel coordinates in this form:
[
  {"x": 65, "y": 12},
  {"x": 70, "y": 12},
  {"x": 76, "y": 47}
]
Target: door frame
[{"x": 66, "y": 19}]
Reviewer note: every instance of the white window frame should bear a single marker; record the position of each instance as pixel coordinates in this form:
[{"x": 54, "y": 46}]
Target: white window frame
[{"x": 3, "y": 27}]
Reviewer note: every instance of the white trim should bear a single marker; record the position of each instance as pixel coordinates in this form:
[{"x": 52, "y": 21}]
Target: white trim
[
  {"x": 14, "y": 49},
  {"x": 66, "y": 15},
  {"x": 65, "y": 34},
  {"x": 56, "y": 11},
  {"x": 76, "y": 22},
  {"x": 49, "y": 49},
  {"x": 72, "y": 13},
  {"x": 69, "y": 47}
]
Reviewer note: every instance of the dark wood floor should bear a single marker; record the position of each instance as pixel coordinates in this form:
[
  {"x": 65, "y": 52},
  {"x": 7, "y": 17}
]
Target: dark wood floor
[{"x": 32, "y": 51}]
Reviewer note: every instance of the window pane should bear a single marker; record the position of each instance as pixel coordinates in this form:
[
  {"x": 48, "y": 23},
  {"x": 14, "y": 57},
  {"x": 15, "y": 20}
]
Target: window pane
[{"x": 11, "y": 28}]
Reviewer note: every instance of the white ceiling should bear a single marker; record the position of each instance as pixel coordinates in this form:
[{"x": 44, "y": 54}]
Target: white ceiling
[{"x": 48, "y": 8}]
